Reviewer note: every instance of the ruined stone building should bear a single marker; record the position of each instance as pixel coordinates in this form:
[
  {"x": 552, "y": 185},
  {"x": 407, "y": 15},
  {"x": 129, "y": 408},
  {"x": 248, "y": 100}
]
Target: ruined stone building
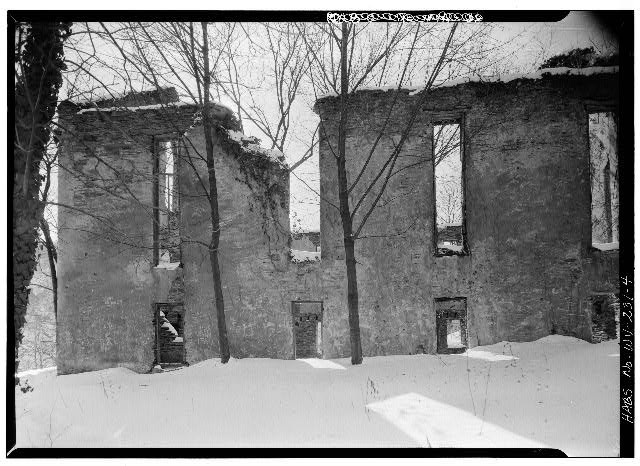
[{"x": 524, "y": 251}]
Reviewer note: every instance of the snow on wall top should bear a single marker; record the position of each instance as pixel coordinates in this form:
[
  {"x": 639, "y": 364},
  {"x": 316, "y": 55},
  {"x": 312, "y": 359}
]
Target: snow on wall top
[
  {"x": 218, "y": 108},
  {"x": 539, "y": 74},
  {"x": 248, "y": 144},
  {"x": 134, "y": 109},
  {"x": 252, "y": 145}
]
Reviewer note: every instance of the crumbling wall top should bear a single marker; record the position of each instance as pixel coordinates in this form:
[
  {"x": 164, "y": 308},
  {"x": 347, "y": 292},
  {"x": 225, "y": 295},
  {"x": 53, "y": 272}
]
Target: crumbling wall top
[
  {"x": 166, "y": 100},
  {"x": 134, "y": 99},
  {"x": 542, "y": 74}
]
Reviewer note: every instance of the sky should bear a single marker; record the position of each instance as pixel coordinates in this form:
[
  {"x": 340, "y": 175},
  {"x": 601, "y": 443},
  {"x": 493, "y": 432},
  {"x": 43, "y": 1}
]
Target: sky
[
  {"x": 532, "y": 44},
  {"x": 526, "y": 46}
]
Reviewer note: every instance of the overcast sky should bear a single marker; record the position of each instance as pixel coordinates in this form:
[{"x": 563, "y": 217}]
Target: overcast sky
[
  {"x": 533, "y": 43},
  {"x": 528, "y": 44}
]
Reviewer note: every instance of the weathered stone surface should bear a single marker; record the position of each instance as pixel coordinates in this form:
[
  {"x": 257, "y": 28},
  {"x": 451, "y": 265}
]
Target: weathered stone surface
[
  {"x": 527, "y": 203},
  {"x": 107, "y": 285},
  {"x": 530, "y": 270}
]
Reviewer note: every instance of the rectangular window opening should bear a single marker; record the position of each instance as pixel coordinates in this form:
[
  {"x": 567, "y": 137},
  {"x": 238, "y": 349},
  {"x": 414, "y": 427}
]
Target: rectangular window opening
[
  {"x": 307, "y": 329},
  {"x": 166, "y": 206},
  {"x": 605, "y": 198},
  {"x": 448, "y": 190},
  {"x": 451, "y": 325},
  {"x": 304, "y": 205}
]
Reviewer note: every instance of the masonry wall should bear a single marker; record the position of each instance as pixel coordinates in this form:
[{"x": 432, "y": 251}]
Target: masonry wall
[
  {"x": 259, "y": 280},
  {"x": 107, "y": 285},
  {"x": 530, "y": 270},
  {"x": 253, "y": 199}
]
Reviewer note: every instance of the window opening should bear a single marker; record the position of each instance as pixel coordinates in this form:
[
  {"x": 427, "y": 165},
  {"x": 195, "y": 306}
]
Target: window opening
[
  {"x": 605, "y": 198},
  {"x": 448, "y": 189},
  {"x": 166, "y": 206}
]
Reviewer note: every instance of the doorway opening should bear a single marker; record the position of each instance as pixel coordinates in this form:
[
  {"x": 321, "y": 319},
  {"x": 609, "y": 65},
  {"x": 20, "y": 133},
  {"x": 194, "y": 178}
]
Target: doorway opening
[
  {"x": 451, "y": 325},
  {"x": 168, "y": 322},
  {"x": 307, "y": 329},
  {"x": 605, "y": 317}
]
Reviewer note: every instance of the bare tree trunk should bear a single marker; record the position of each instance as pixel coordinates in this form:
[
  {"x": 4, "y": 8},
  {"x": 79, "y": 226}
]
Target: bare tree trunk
[
  {"x": 345, "y": 212},
  {"x": 35, "y": 350},
  {"x": 215, "y": 243},
  {"x": 213, "y": 204},
  {"x": 39, "y": 62},
  {"x": 608, "y": 222},
  {"x": 51, "y": 253}
]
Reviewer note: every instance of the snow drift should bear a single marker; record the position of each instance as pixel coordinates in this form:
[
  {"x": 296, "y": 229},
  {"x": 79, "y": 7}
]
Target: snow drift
[{"x": 556, "y": 392}]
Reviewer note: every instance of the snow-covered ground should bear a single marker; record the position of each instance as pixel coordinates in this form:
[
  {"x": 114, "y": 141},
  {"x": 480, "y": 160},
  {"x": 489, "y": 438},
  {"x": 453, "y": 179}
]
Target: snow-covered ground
[{"x": 558, "y": 392}]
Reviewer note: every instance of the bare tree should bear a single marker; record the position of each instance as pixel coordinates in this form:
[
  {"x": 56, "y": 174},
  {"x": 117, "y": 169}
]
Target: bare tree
[
  {"x": 299, "y": 56},
  {"x": 278, "y": 47},
  {"x": 48, "y": 162},
  {"x": 213, "y": 198},
  {"x": 343, "y": 67},
  {"x": 181, "y": 54},
  {"x": 38, "y": 342},
  {"x": 38, "y": 346},
  {"x": 38, "y": 65}
]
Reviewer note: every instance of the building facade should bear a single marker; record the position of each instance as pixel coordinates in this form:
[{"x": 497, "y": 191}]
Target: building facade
[{"x": 519, "y": 259}]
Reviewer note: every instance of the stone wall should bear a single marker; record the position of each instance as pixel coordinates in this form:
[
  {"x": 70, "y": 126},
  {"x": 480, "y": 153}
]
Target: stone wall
[
  {"x": 136, "y": 99},
  {"x": 259, "y": 280},
  {"x": 253, "y": 199},
  {"x": 530, "y": 270},
  {"x": 107, "y": 285}
]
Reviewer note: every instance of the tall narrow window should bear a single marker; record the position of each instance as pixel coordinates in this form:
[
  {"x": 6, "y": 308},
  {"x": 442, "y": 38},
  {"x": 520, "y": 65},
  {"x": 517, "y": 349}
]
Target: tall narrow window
[
  {"x": 605, "y": 199},
  {"x": 166, "y": 226},
  {"x": 168, "y": 178},
  {"x": 448, "y": 190}
]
